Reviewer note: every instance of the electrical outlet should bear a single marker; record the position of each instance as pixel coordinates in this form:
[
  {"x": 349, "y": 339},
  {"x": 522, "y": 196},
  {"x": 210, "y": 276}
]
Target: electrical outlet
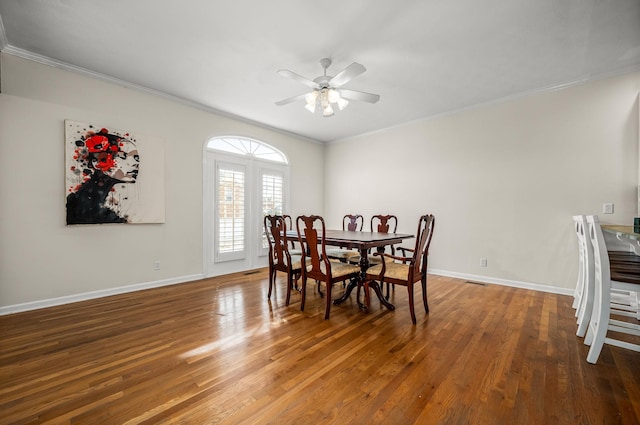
[
  {"x": 607, "y": 208},
  {"x": 483, "y": 262},
  {"x": 156, "y": 265}
]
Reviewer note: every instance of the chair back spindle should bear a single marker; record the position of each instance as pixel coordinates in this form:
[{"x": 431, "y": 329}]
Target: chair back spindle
[
  {"x": 384, "y": 223},
  {"x": 314, "y": 250},
  {"x": 352, "y": 222}
]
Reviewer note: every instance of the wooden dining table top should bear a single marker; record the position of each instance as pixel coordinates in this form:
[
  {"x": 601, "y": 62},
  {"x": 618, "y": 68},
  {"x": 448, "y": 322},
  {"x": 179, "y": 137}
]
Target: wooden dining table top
[
  {"x": 622, "y": 230},
  {"x": 357, "y": 239}
]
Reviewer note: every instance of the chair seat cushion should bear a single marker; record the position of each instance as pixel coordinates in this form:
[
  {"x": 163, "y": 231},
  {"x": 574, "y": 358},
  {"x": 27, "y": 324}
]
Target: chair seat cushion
[
  {"x": 296, "y": 262},
  {"x": 393, "y": 270},
  {"x": 338, "y": 269},
  {"x": 354, "y": 259},
  {"x": 295, "y": 251},
  {"x": 340, "y": 253},
  {"x": 373, "y": 259}
]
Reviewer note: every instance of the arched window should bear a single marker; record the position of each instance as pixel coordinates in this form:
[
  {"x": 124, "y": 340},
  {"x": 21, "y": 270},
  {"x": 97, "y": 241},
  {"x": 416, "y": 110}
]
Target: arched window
[
  {"x": 244, "y": 180},
  {"x": 247, "y": 147}
]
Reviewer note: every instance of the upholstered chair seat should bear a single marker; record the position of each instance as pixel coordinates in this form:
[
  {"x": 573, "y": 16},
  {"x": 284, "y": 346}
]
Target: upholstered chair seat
[
  {"x": 341, "y": 253},
  {"x": 338, "y": 269},
  {"x": 393, "y": 270}
]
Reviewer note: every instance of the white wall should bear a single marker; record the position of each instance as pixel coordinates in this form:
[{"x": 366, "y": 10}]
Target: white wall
[
  {"x": 44, "y": 262},
  {"x": 502, "y": 180}
]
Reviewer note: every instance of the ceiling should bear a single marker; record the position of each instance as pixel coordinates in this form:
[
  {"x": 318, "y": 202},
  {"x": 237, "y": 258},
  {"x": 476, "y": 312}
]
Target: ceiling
[{"x": 424, "y": 58}]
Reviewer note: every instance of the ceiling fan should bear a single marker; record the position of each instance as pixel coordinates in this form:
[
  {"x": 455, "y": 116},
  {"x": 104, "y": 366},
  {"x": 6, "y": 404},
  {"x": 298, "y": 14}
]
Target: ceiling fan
[{"x": 328, "y": 90}]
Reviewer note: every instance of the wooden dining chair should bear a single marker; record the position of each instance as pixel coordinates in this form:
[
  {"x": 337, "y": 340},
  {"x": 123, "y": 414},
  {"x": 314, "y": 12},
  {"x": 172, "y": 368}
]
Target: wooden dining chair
[
  {"x": 292, "y": 247},
  {"x": 315, "y": 263},
  {"x": 280, "y": 259},
  {"x": 352, "y": 223},
  {"x": 406, "y": 270}
]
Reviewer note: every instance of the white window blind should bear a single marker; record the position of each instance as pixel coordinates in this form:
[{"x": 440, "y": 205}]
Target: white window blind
[
  {"x": 231, "y": 211},
  {"x": 272, "y": 196}
]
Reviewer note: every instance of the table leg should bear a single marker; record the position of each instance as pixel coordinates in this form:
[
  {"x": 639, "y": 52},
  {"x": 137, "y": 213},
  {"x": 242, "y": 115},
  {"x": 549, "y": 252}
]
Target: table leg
[
  {"x": 353, "y": 283},
  {"x": 361, "y": 282},
  {"x": 356, "y": 283},
  {"x": 364, "y": 265},
  {"x": 377, "y": 288}
]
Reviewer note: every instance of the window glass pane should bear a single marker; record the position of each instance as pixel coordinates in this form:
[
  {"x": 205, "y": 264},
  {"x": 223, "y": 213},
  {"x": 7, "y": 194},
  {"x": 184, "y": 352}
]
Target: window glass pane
[
  {"x": 230, "y": 210},
  {"x": 227, "y": 145},
  {"x": 248, "y": 147}
]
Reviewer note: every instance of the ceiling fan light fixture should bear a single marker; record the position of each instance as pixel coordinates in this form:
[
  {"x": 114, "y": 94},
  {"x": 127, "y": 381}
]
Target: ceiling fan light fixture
[
  {"x": 324, "y": 98},
  {"x": 333, "y": 95},
  {"x": 327, "y": 111},
  {"x": 311, "y": 99},
  {"x": 342, "y": 103}
]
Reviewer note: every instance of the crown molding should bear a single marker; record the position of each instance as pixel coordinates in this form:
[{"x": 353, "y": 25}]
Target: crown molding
[
  {"x": 516, "y": 96},
  {"x": 25, "y": 54}
]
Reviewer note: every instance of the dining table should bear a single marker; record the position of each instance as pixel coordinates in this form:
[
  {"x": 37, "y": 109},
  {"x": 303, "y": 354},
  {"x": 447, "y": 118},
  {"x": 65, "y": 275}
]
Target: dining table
[
  {"x": 363, "y": 242},
  {"x": 623, "y": 234}
]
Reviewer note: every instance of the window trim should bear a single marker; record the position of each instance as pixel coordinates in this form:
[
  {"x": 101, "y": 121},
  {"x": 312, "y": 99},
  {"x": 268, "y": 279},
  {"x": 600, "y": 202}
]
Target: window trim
[{"x": 255, "y": 256}]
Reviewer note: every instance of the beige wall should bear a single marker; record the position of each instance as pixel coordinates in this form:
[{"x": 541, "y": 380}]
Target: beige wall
[
  {"x": 41, "y": 259},
  {"x": 503, "y": 180}
]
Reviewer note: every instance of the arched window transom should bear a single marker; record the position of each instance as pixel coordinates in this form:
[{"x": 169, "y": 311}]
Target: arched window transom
[{"x": 247, "y": 147}]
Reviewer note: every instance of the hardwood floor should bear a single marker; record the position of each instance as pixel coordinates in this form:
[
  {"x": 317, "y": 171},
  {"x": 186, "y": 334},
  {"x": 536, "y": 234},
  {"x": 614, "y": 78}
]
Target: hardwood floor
[{"x": 216, "y": 352}]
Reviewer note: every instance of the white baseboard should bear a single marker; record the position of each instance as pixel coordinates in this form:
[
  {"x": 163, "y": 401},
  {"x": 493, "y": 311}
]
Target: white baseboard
[
  {"x": 34, "y": 305},
  {"x": 504, "y": 282}
]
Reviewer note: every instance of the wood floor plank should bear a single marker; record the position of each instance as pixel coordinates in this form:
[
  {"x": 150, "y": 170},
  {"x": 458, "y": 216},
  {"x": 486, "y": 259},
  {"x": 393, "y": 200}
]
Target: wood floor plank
[{"x": 217, "y": 351}]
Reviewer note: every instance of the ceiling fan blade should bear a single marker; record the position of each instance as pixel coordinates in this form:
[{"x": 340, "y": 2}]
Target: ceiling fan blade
[
  {"x": 347, "y": 74},
  {"x": 291, "y": 99},
  {"x": 290, "y": 74},
  {"x": 359, "y": 95}
]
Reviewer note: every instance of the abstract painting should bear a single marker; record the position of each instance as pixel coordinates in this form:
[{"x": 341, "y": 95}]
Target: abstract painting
[{"x": 112, "y": 176}]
